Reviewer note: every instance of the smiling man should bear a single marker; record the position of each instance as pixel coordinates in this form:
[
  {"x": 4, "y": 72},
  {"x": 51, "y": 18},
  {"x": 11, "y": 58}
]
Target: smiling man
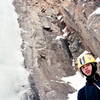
[{"x": 87, "y": 65}]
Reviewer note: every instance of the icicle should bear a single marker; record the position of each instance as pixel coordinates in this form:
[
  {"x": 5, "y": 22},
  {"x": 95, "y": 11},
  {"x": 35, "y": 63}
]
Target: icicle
[{"x": 73, "y": 62}]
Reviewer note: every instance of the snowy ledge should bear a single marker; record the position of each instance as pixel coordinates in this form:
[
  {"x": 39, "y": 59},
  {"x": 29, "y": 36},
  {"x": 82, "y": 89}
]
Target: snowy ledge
[{"x": 96, "y": 12}]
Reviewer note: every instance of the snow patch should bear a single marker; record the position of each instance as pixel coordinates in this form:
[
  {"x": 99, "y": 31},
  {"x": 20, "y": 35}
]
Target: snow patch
[
  {"x": 59, "y": 17},
  {"x": 60, "y": 37},
  {"x": 97, "y": 59},
  {"x": 76, "y": 81},
  {"x": 85, "y": 52},
  {"x": 96, "y": 12}
]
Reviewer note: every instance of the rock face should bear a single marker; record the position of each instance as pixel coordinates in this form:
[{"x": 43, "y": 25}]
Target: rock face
[
  {"x": 89, "y": 23},
  {"x": 48, "y": 58}
]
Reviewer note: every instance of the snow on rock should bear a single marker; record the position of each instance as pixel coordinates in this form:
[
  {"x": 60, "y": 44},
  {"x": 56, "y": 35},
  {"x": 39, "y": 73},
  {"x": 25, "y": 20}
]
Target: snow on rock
[
  {"x": 76, "y": 81},
  {"x": 59, "y": 37},
  {"x": 97, "y": 59},
  {"x": 96, "y": 12}
]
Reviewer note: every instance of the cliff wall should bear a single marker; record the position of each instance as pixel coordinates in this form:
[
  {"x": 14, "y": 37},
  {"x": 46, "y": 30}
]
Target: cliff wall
[{"x": 54, "y": 32}]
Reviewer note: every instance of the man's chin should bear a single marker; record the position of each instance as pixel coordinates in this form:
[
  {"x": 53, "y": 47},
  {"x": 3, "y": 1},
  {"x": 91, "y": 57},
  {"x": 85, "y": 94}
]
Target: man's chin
[{"x": 88, "y": 74}]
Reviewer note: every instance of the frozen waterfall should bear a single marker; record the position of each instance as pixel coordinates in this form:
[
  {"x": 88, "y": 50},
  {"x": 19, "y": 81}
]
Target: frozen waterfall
[{"x": 13, "y": 77}]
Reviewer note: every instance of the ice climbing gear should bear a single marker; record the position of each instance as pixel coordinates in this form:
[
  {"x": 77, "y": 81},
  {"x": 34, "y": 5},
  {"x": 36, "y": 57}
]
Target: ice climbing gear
[{"x": 85, "y": 58}]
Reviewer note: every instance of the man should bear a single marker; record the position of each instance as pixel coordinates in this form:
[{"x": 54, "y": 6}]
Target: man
[{"x": 87, "y": 65}]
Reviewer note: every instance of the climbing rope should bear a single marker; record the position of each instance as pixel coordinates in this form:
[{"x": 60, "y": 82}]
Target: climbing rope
[{"x": 96, "y": 85}]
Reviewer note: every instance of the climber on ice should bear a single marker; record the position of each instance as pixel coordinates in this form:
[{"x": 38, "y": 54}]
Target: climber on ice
[{"x": 87, "y": 65}]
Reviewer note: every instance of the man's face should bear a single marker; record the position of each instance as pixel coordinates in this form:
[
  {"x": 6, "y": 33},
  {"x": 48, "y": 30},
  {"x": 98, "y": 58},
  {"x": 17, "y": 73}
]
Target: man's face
[{"x": 87, "y": 69}]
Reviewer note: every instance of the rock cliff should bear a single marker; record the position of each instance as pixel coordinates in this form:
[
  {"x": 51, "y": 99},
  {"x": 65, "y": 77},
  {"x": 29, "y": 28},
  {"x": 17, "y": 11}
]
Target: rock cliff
[{"x": 54, "y": 32}]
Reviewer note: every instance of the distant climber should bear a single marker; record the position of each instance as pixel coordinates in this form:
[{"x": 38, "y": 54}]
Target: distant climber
[{"x": 87, "y": 65}]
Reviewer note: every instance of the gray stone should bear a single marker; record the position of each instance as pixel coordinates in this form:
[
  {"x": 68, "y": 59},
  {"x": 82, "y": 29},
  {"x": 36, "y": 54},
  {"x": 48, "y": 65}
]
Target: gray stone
[{"x": 47, "y": 59}]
